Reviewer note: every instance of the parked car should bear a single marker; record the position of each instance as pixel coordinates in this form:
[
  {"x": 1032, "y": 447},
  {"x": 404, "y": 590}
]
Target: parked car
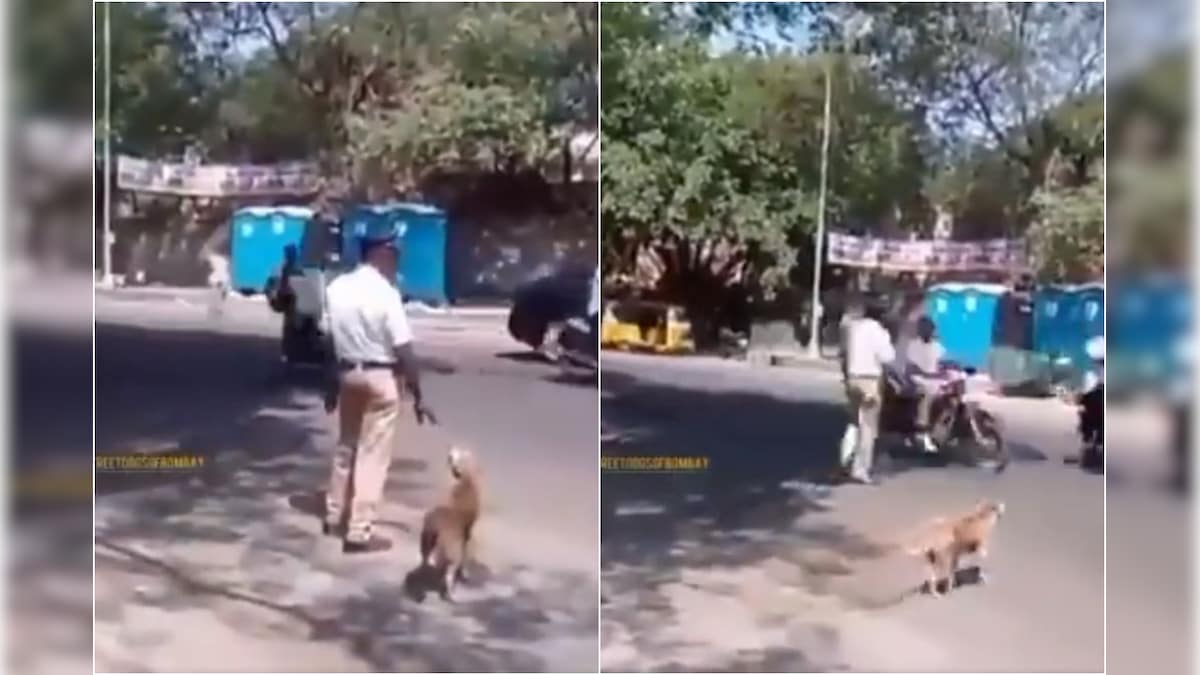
[{"x": 542, "y": 306}]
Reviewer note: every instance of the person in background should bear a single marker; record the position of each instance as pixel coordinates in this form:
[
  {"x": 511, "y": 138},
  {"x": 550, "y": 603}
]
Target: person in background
[
  {"x": 1091, "y": 407},
  {"x": 218, "y": 280},
  {"x": 283, "y": 300},
  {"x": 866, "y": 350},
  {"x": 1181, "y": 416},
  {"x": 923, "y": 357}
]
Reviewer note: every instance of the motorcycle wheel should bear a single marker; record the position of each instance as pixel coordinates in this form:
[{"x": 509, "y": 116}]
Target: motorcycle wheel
[{"x": 988, "y": 442}]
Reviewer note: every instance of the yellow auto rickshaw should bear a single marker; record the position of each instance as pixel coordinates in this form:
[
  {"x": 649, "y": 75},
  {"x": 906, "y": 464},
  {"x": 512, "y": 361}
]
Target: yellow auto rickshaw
[{"x": 644, "y": 325}]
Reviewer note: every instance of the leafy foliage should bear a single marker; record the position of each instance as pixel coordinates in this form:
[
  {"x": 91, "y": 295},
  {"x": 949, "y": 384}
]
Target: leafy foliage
[
  {"x": 1066, "y": 241},
  {"x": 1149, "y": 181},
  {"x": 713, "y": 199},
  {"x": 394, "y": 87},
  {"x": 987, "y": 71}
]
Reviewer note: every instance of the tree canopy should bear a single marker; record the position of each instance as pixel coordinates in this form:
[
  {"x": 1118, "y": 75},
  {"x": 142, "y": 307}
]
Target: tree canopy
[
  {"x": 398, "y": 88},
  {"x": 965, "y": 107}
]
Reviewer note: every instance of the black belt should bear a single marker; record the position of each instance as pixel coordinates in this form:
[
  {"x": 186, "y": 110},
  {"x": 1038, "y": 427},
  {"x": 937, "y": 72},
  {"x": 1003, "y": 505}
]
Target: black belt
[{"x": 366, "y": 365}]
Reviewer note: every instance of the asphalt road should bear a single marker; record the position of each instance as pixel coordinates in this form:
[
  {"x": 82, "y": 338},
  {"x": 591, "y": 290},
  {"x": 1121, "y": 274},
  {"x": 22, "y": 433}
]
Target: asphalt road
[
  {"x": 230, "y": 554},
  {"x": 50, "y": 532},
  {"x": 758, "y": 563}
]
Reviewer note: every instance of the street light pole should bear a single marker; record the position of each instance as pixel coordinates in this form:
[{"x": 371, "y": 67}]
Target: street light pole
[
  {"x": 107, "y": 277},
  {"x": 814, "y": 322}
]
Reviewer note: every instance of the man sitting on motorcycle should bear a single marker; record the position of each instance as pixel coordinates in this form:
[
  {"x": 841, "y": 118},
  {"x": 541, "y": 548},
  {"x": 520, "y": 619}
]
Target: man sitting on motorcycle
[{"x": 923, "y": 357}]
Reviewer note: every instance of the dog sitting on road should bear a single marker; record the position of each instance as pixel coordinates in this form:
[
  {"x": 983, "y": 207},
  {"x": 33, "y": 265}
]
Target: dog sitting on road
[
  {"x": 945, "y": 541},
  {"x": 446, "y": 533}
]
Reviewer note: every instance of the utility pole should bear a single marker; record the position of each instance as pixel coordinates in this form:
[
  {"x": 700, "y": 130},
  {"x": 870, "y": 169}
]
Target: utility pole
[
  {"x": 107, "y": 278},
  {"x": 814, "y": 321},
  {"x": 856, "y": 27}
]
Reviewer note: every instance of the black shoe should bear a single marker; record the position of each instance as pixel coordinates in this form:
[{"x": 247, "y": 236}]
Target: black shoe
[
  {"x": 330, "y": 530},
  {"x": 375, "y": 544}
]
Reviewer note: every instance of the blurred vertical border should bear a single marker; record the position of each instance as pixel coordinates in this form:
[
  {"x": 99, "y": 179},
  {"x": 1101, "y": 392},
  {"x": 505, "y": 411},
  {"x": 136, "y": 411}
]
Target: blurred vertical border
[
  {"x": 1150, "y": 338},
  {"x": 49, "y": 197}
]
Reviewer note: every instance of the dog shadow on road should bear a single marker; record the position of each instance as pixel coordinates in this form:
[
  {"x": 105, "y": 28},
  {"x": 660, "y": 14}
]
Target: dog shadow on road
[
  {"x": 879, "y": 600},
  {"x": 423, "y": 580},
  {"x": 966, "y": 576}
]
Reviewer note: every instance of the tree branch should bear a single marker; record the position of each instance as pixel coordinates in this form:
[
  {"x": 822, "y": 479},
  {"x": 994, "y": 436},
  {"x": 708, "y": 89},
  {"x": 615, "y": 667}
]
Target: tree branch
[
  {"x": 280, "y": 49},
  {"x": 980, "y": 104},
  {"x": 582, "y": 15}
]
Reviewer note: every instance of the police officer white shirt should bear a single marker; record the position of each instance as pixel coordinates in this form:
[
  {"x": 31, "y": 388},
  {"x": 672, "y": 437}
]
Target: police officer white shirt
[
  {"x": 365, "y": 316},
  {"x": 866, "y": 348}
]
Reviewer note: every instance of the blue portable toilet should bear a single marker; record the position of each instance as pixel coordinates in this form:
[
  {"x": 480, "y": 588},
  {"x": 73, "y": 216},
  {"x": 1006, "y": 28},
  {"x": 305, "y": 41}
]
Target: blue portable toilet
[
  {"x": 1065, "y": 318},
  {"x": 421, "y": 230},
  {"x": 965, "y": 315},
  {"x": 1050, "y": 311},
  {"x": 1149, "y": 318},
  {"x": 258, "y": 236}
]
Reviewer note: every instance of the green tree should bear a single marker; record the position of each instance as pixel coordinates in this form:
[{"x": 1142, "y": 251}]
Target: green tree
[
  {"x": 1066, "y": 240},
  {"x": 515, "y": 83},
  {"x": 986, "y": 72},
  {"x": 48, "y": 57},
  {"x": 688, "y": 188},
  {"x": 370, "y": 90},
  {"x": 877, "y": 161},
  {"x": 1149, "y": 178},
  {"x": 161, "y": 94}
]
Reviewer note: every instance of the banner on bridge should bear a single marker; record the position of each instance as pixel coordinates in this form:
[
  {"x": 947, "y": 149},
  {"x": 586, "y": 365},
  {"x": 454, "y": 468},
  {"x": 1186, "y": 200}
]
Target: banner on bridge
[
  {"x": 927, "y": 255},
  {"x": 217, "y": 180}
]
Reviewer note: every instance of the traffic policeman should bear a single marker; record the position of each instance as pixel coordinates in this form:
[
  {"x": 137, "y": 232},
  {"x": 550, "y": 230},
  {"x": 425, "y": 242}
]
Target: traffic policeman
[{"x": 373, "y": 384}]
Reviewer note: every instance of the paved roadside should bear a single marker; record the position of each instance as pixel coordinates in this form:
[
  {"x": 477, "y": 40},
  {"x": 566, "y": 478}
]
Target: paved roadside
[
  {"x": 232, "y": 555},
  {"x": 758, "y": 564}
]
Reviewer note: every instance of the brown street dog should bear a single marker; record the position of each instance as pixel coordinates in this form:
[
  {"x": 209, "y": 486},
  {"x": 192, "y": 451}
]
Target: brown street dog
[
  {"x": 446, "y": 533},
  {"x": 945, "y": 541}
]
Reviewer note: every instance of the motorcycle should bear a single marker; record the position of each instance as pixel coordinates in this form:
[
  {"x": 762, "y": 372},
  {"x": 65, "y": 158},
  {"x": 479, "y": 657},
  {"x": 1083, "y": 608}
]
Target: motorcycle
[
  {"x": 957, "y": 424},
  {"x": 299, "y": 301}
]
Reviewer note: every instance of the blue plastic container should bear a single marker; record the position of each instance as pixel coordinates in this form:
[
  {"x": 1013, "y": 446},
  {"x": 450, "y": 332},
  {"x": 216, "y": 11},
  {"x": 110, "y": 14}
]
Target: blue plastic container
[
  {"x": 965, "y": 315},
  {"x": 1149, "y": 323},
  {"x": 1065, "y": 318},
  {"x": 258, "y": 236},
  {"x": 421, "y": 230}
]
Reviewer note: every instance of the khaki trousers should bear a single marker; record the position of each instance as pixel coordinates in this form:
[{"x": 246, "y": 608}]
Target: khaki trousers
[
  {"x": 863, "y": 397},
  {"x": 369, "y": 410}
]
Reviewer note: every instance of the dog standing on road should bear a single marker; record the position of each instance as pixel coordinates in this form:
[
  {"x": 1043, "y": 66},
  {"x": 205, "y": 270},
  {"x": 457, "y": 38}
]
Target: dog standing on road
[
  {"x": 446, "y": 533},
  {"x": 945, "y": 541}
]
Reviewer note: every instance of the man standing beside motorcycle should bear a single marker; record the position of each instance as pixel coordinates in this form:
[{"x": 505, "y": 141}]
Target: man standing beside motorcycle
[
  {"x": 283, "y": 300},
  {"x": 923, "y": 357},
  {"x": 866, "y": 350},
  {"x": 1091, "y": 408}
]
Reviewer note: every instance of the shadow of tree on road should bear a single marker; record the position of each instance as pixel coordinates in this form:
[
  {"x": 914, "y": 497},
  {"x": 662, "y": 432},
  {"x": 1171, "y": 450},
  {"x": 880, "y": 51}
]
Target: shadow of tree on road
[
  {"x": 756, "y": 538},
  {"x": 377, "y": 625},
  {"x": 675, "y": 545},
  {"x": 235, "y": 548}
]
